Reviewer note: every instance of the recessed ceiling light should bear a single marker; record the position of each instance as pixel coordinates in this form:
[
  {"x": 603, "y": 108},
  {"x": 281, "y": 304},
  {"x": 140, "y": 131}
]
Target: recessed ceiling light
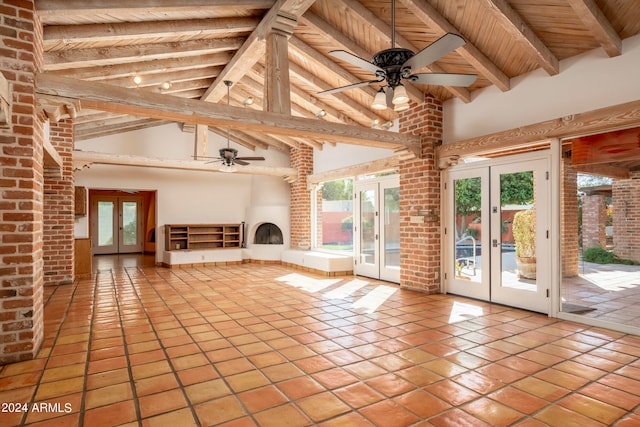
[
  {"x": 166, "y": 85},
  {"x": 137, "y": 79}
]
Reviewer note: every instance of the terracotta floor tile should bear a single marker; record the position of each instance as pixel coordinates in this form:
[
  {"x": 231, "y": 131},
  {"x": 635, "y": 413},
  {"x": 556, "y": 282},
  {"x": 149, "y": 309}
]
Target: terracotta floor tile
[
  {"x": 358, "y": 395},
  {"x": 162, "y": 402},
  {"x": 592, "y": 408},
  {"x": 262, "y": 398},
  {"x": 219, "y": 410},
  {"x": 247, "y": 381},
  {"x": 334, "y": 378},
  {"x": 197, "y": 374},
  {"x": 478, "y": 382},
  {"x": 557, "y": 416},
  {"x": 518, "y": 400},
  {"x": 282, "y": 416},
  {"x": 111, "y": 415},
  {"x": 182, "y": 417},
  {"x": 245, "y": 349},
  {"x": 457, "y": 417},
  {"x": 494, "y": 413},
  {"x": 388, "y": 414},
  {"x": 108, "y": 395},
  {"x": 284, "y": 371},
  {"x": 207, "y": 390},
  {"x": 156, "y": 384},
  {"x": 610, "y": 395},
  {"x": 300, "y": 387},
  {"x": 422, "y": 403},
  {"x": 390, "y": 385},
  {"x": 320, "y": 407},
  {"x": 451, "y": 392}
]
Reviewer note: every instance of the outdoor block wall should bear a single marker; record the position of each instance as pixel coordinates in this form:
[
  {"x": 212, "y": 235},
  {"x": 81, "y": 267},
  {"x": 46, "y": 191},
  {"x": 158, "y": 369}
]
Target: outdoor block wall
[
  {"x": 301, "y": 158},
  {"x": 21, "y": 186},
  {"x": 420, "y": 190},
  {"x": 59, "y": 209},
  {"x": 626, "y": 217},
  {"x": 594, "y": 221}
]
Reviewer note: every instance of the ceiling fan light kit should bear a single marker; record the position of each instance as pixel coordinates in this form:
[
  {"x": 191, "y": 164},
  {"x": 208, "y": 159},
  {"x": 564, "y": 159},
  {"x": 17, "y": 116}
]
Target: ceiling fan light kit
[{"x": 393, "y": 65}]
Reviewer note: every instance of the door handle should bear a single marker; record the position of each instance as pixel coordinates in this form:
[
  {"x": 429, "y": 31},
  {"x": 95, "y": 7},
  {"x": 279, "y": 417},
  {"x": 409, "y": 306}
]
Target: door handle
[{"x": 495, "y": 243}]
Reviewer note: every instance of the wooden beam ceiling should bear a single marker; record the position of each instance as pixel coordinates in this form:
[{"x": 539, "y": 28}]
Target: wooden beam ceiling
[
  {"x": 599, "y": 25},
  {"x": 99, "y": 96}
]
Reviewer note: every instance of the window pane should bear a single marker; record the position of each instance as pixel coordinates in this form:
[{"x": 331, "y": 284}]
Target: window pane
[
  {"x": 335, "y": 216},
  {"x": 392, "y": 227},
  {"x": 130, "y": 223},
  {"x": 105, "y": 223}
]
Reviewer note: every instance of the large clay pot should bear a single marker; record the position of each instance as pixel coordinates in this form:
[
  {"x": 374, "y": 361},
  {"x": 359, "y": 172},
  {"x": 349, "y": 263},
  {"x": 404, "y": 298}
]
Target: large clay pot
[{"x": 526, "y": 267}]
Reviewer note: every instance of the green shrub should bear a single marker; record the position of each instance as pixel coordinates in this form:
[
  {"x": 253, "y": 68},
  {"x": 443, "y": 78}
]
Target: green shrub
[{"x": 599, "y": 255}]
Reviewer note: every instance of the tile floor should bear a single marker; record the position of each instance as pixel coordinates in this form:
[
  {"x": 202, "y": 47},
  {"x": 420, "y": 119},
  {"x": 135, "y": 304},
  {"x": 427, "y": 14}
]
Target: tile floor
[{"x": 265, "y": 345}]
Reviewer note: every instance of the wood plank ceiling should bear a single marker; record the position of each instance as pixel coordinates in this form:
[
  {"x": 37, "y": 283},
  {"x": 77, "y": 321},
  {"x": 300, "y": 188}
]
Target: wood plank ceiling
[{"x": 194, "y": 45}]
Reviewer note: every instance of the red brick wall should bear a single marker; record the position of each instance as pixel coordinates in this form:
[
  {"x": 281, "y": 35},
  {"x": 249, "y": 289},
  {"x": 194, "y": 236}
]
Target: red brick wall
[
  {"x": 594, "y": 221},
  {"x": 569, "y": 219},
  {"x": 626, "y": 217},
  {"x": 420, "y": 190},
  {"x": 21, "y": 186},
  {"x": 300, "y": 209},
  {"x": 59, "y": 210}
]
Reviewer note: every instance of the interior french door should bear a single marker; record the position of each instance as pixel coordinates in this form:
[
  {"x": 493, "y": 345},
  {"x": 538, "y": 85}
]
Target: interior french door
[
  {"x": 483, "y": 200},
  {"x": 116, "y": 225},
  {"x": 377, "y": 228}
]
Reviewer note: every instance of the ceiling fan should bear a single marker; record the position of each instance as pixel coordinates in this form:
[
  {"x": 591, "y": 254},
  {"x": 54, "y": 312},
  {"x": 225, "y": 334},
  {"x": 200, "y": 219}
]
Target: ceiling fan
[
  {"x": 229, "y": 156},
  {"x": 392, "y": 66}
]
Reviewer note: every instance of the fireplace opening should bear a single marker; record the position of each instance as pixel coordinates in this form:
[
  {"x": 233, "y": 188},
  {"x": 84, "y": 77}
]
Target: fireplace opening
[{"x": 268, "y": 234}]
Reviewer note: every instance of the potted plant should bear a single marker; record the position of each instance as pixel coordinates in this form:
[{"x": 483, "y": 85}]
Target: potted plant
[{"x": 524, "y": 235}]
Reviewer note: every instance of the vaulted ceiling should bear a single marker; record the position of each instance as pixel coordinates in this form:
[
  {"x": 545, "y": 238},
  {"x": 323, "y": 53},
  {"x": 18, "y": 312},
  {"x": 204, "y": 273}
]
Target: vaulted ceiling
[{"x": 195, "y": 45}]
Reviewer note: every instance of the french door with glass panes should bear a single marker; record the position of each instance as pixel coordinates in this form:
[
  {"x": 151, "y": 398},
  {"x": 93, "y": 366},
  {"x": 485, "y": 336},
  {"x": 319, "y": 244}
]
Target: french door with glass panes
[
  {"x": 377, "y": 228},
  {"x": 497, "y": 231},
  {"x": 116, "y": 224}
]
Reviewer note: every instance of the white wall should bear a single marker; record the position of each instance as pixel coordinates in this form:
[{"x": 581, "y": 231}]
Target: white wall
[
  {"x": 182, "y": 196},
  {"x": 586, "y": 82}
]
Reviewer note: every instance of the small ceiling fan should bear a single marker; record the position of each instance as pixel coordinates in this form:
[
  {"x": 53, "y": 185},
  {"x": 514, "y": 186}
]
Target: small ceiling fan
[
  {"x": 229, "y": 156},
  {"x": 393, "y": 65}
]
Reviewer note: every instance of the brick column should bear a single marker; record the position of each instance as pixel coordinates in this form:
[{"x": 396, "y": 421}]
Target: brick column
[
  {"x": 594, "y": 221},
  {"x": 569, "y": 220},
  {"x": 300, "y": 206},
  {"x": 21, "y": 186},
  {"x": 59, "y": 210},
  {"x": 420, "y": 191},
  {"x": 626, "y": 217}
]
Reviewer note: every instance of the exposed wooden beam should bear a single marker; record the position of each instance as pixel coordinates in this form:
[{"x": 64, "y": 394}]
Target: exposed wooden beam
[
  {"x": 135, "y": 53},
  {"x": 66, "y": 8},
  {"x": 203, "y": 28},
  {"x": 375, "y": 166},
  {"x": 604, "y": 170},
  {"x": 382, "y": 30},
  {"x": 134, "y": 123},
  {"x": 519, "y": 30},
  {"x": 254, "y": 47},
  {"x": 604, "y": 119},
  {"x": 201, "y": 141},
  {"x": 598, "y": 24},
  {"x": 434, "y": 20},
  {"x": 86, "y": 158},
  {"x": 609, "y": 147},
  {"x": 98, "y": 96},
  {"x": 144, "y": 68}
]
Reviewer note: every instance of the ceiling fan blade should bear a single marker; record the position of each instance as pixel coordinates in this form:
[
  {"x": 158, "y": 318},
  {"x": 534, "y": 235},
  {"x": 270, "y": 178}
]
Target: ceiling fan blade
[
  {"x": 347, "y": 87},
  {"x": 356, "y": 60},
  {"x": 213, "y": 161},
  {"x": 443, "y": 79},
  {"x": 434, "y": 51},
  {"x": 249, "y": 158},
  {"x": 240, "y": 162}
]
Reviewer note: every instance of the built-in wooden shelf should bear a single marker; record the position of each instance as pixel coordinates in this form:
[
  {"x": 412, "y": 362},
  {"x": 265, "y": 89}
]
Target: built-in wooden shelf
[{"x": 202, "y": 236}]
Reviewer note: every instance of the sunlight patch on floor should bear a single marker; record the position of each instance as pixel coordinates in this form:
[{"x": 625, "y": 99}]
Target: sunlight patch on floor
[
  {"x": 461, "y": 311},
  {"x": 347, "y": 289},
  {"x": 374, "y": 299},
  {"x": 308, "y": 284}
]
